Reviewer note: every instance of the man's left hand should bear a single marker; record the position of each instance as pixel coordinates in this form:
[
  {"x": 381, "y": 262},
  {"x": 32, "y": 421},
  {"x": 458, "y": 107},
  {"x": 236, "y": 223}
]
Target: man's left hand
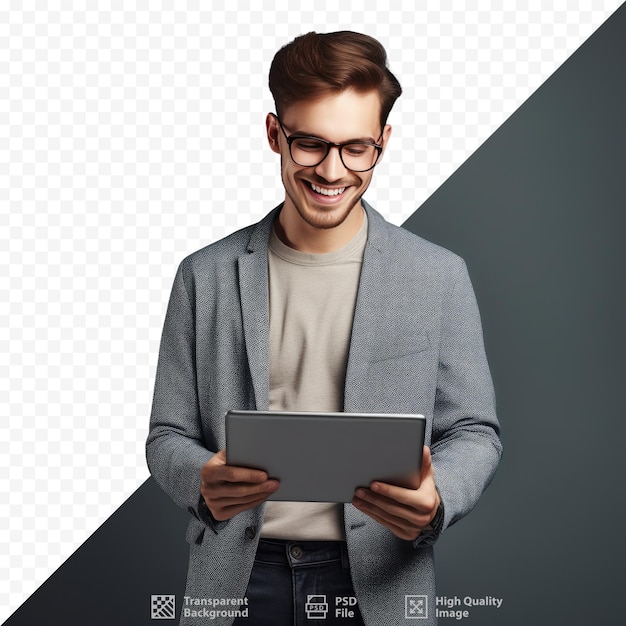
[{"x": 405, "y": 512}]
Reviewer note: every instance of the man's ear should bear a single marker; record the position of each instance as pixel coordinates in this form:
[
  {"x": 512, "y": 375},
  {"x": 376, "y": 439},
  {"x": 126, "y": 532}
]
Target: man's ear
[
  {"x": 385, "y": 139},
  {"x": 273, "y": 130}
]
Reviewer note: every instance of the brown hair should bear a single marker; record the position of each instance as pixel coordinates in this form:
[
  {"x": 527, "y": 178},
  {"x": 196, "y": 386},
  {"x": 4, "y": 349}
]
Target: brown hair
[{"x": 317, "y": 64}]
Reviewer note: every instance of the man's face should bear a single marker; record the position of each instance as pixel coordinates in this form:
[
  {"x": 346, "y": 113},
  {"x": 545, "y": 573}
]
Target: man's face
[{"x": 325, "y": 195}]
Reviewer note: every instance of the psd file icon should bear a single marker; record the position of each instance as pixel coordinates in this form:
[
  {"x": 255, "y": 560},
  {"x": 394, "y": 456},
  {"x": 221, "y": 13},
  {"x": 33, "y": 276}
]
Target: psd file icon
[{"x": 316, "y": 607}]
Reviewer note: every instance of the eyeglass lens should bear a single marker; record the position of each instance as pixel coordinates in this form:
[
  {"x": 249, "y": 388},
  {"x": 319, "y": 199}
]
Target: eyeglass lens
[{"x": 308, "y": 152}]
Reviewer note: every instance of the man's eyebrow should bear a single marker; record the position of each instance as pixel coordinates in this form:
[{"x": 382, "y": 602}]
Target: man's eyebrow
[
  {"x": 304, "y": 133},
  {"x": 352, "y": 140}
]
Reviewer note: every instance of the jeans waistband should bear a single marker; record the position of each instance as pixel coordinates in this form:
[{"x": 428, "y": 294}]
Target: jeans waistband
[{"x": 302, "y": 553}]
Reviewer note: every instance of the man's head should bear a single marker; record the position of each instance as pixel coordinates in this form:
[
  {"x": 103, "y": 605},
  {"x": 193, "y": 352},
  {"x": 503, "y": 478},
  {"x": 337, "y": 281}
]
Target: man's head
[
  {"x": 321, "y": 64},
  {"x": 335, "y": 88}
]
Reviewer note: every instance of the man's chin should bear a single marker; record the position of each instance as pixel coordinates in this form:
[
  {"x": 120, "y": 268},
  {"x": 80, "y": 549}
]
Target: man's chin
[{"x": 327, "y": 217}]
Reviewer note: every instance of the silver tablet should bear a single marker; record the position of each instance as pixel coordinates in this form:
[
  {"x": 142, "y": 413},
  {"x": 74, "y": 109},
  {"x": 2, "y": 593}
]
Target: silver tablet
[{"x": 323, "y": 457}]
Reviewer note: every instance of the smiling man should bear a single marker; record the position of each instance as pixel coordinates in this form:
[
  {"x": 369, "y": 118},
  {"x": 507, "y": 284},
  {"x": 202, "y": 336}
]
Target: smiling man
[
  {"x": 321, "y": 306},
  {"x": 322, "y": 207}
]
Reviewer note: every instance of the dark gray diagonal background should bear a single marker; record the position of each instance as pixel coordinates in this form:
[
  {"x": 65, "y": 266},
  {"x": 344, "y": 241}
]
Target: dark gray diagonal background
[{"x": 538, "y": 213}]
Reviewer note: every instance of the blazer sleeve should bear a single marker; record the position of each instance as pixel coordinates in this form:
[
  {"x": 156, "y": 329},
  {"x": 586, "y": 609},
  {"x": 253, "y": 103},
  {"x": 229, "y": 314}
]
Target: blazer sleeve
[
  {"x": 465, "y": 445},
  {"x": 175, "y": 448}
]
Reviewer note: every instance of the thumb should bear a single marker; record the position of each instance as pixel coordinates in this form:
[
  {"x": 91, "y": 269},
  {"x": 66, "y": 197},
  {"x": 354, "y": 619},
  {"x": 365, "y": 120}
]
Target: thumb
[
  {"x": 427, "y": 464},
  {"x": 426, "y": 470},
  {"x": 219, "y": 458}
]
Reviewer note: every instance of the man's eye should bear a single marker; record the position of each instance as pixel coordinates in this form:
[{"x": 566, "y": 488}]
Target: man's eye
[
  {"x": 309, "y": 146},
  {"x": 356, "y": 150}
]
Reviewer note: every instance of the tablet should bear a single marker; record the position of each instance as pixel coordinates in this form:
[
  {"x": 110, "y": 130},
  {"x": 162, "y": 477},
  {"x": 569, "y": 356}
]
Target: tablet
[{"x": 323, "y": 457}]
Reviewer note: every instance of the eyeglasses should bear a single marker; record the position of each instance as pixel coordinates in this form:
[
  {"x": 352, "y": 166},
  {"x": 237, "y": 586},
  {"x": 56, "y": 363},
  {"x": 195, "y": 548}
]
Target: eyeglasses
[{"x": 308, "y": 151}]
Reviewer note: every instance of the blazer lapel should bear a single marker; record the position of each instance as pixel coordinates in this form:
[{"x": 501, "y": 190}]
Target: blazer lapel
[
  {"x": 366, "y": 323},
  {"x": 254, "y": 295}
]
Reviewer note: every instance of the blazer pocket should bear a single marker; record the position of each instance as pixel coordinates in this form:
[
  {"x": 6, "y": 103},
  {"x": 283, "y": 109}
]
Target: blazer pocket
[
  {"x": 400, "y": 379},
  {"x": 401, "y": 345}
]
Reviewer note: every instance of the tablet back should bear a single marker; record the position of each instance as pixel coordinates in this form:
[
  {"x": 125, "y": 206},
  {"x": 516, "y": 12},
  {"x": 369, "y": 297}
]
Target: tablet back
[{"x": 323, "y": 457}]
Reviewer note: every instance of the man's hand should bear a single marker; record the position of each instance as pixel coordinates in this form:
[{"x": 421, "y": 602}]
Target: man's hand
[
  {"x": 405, "y": 512},
  {"x": 228, "y": 490}
]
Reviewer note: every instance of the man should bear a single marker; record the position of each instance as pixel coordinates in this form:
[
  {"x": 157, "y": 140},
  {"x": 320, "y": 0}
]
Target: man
[{"x": 321, "y": 306}]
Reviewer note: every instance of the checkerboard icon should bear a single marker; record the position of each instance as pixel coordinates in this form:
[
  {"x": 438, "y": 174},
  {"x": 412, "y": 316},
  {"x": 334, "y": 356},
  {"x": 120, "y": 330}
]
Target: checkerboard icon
[
  {"x": 416, "y": 607},
  {"x": 163, "y": 607}
]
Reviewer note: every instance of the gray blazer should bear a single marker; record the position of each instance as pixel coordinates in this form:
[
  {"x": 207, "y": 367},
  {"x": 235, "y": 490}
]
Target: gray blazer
[{"x": 416, "y": 347}]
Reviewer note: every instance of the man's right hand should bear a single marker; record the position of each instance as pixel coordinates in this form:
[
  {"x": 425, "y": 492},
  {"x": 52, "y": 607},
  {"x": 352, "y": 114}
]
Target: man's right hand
[{"x": 229, "y": 490}]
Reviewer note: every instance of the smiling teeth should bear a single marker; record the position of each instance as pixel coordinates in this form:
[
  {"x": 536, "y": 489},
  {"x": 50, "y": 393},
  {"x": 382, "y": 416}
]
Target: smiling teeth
[{"x": 328, "y": 192}]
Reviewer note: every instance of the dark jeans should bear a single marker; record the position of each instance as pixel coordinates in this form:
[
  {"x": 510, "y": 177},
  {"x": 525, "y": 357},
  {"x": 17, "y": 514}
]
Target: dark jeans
[{"x": 298, "y": 583}]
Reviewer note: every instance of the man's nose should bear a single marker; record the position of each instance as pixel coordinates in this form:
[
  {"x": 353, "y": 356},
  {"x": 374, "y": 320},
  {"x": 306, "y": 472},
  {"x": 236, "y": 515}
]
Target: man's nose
[{"x": 331, "y": 168}]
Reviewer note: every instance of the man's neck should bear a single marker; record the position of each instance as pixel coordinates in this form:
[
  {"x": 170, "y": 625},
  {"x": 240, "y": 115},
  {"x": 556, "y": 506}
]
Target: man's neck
[{"x": 294, "y": 232}]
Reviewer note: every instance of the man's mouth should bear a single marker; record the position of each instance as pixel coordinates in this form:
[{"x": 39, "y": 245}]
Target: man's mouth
[{"x": 328, "y": 191}]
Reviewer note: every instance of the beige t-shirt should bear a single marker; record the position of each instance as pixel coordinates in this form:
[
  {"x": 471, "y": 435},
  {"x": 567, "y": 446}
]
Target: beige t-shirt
[{"x": 311, "y": 298}]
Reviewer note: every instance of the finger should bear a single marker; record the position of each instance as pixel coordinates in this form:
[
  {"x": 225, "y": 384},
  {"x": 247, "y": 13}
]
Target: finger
[
  {"x": 423, "y": 500},
  {"x": 219, "y": 457},
  {"x": 222, "y": 513},
  {"x": 216, "y": 469},
  {"x": 217, "y": 472},
  {"x": 372, "y": 508},
  {"x": 397, "y": 526},
  {"x": 246, "y": 501},
  {"x": 391, "y": 510},
  {"x": 225, "y": 502},
  {"x": 427, "y": 464},
  {"x": 222, "y": 489}
]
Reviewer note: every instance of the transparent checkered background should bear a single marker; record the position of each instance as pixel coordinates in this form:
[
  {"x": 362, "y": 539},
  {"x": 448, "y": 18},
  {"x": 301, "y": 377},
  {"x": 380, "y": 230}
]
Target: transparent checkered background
[{"x": 131, "y": 134}]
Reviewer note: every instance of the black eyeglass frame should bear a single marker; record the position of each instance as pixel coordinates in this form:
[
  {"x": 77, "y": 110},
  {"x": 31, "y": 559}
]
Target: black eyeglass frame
[{"x": 331, "y": 144}]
